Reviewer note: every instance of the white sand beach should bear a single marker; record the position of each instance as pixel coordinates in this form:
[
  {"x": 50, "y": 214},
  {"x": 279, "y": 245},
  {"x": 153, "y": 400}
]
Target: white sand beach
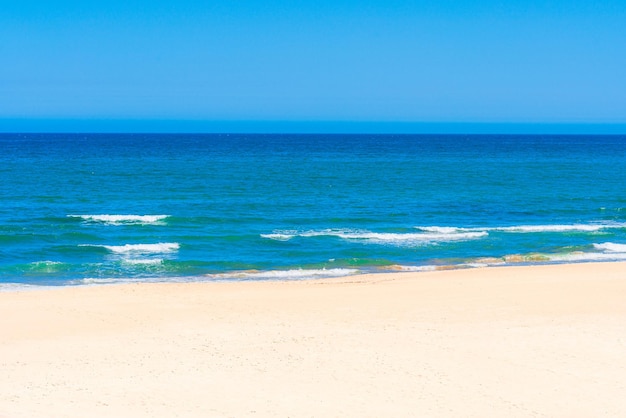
[{"x": 537, "y": 341}]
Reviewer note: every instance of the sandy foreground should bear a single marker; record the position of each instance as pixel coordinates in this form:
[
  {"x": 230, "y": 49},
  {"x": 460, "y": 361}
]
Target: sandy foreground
[{"x": 541, "y": 341}]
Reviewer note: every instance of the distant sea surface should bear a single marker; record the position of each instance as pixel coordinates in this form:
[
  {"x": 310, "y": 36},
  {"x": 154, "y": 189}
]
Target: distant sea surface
[{"x": 81, "y": 209}]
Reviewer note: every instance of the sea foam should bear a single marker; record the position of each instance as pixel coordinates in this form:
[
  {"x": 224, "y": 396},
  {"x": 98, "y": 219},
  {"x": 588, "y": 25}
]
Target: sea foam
[
  {"x": 21, "y": 287},
  {"x": 588, "y": 256},
  {"x": 144, "y": 261},
  {"x": 611, "y": 247},
  {"x": 159, "y": 248},
  {"x": 437, "y": 234},
  {"x": 559, "y": 228},
  {"x": 525, "y": 228},
  {"x": 607, "y": 251},
  {"x": 284, "y": 274},
  {"x": 122, "y": 219},
  {"x": 388, "y": 238}
]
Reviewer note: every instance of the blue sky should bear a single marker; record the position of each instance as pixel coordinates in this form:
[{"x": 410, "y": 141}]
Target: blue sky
[{"x": 300, "y": 65}]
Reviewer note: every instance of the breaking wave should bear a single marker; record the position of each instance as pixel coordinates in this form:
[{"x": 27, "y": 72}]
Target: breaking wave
[
  {"x": 401, "y": 239},
  {"x": 122, "y": 219},
  {"x": 607, "y": 251},
  {"x": 526, "y": 228},
  {"x": 144, "y": 261},
  {"x": 611, "y": 247},
  {"x": 159, "y": 248}
]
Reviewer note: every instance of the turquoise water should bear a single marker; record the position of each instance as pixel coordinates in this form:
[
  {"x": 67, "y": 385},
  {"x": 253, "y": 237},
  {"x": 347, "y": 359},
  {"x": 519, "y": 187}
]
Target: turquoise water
[{"x": 80, "y": 209}]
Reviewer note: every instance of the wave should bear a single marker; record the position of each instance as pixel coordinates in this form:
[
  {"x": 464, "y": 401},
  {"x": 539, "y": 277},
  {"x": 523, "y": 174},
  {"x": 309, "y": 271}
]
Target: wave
[
  {"x": 144, "y": 261},
  {"x": 611, "y": 247},
  {"x": 607, "y": 251},
  {"x": 284, "y": 274},
  {"x": 46, "y": 266},
  {"x": 447, "y": 229},
  {"x": 21, "y": 287},
  {"x": 122, "y": 219},
  {"x": 277, "y": 236},
  {"x": 382, "y": 237},
  {"x": 559, "y": 228},
  {"x": 438, "y": 234},
  {"x": 43, "y": 267},
  {"x": 159, "y": 248},
  {"x": 479, "y": 263},
  {"x": 593, "y": 227},
  {"x": 588, "y": 256}
]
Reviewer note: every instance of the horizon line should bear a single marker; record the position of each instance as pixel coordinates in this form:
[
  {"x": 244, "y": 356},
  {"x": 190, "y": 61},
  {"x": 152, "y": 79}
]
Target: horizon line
[{"x": 186, "y": 126}]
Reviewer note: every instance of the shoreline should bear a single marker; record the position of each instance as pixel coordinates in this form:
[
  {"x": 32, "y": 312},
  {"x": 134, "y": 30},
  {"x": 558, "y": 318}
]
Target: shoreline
[
  {"x": 543, "y": 340},
  {"x": 305, "y": 275}
]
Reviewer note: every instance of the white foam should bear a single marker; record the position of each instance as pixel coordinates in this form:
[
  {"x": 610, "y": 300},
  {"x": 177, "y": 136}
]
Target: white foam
[
  {"x": 526, "y": 228},
  {"x": 122, "y": 219},
  {"x": 20, "y": 287},
  {"x": 431, "y": 267},
  {"x": 99, "y": 281},
  {"x": 446, "y": 229},
  {"x": 558, "y": 228},
  {"x": 607, "y": 251},
  {"x": 159, "y": 248},
  {"x": 437, "y": 234},
  {"x": 285, "y": 274},
  {"x": 581, "y": 256},
  {"x": 478, "y": 264},
  {"x": 611, "y": 247},
  {"x": 143, "y": 261},
  {"x": 162, "y": 247},
  {"x": 415, "y": 268},
  {"x": 419, "y": 238},
  {"x": 413, "y": 239},
  {"x": 279, "y": 237}
]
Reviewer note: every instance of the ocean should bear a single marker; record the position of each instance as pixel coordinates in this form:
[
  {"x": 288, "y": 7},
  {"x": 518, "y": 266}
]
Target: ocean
[{"x": 105, "y": 208}]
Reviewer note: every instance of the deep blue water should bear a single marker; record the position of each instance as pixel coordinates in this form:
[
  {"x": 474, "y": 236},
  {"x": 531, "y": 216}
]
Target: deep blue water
[{"x": 98, "y": 208}]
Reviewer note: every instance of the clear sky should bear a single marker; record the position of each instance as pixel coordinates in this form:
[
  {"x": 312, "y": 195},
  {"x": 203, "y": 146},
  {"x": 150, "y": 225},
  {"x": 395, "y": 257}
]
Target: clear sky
[{"x": 219, "y": 65}]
